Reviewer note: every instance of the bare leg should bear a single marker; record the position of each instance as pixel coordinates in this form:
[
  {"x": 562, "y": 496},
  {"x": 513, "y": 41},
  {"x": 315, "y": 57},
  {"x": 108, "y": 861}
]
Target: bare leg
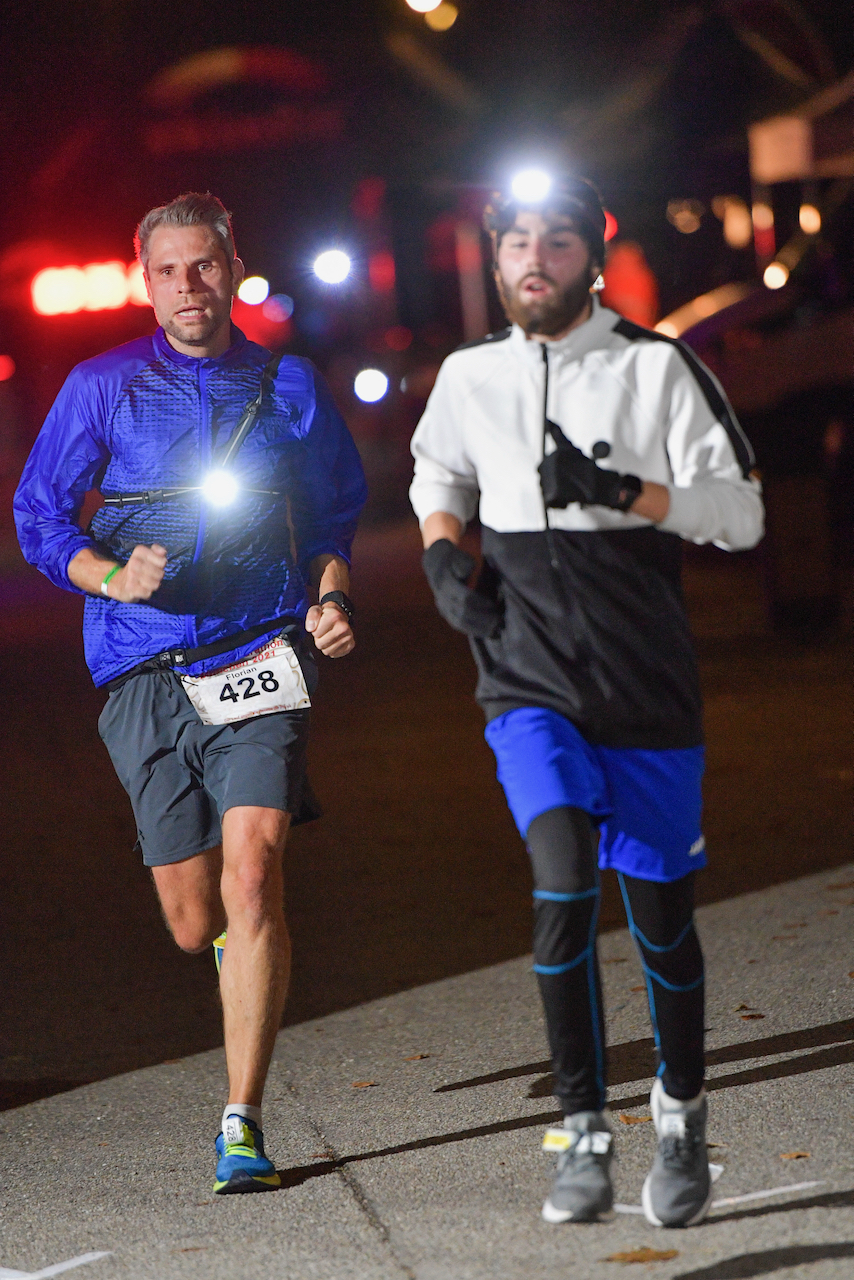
[
  {"x": 239, "y": 883},
  {"x": 257, "y": 960},
  {"x": 191, "y": 900}
]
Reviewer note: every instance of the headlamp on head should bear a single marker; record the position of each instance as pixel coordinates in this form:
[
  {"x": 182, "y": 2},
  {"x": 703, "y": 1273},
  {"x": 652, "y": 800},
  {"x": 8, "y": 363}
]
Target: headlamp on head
[
  {"x": 575, "y": 198},
  {"x": 531, "y": 186}
]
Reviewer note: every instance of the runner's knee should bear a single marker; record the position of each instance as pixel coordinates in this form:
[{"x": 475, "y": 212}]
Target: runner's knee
[{"x": 561, "y": 845}]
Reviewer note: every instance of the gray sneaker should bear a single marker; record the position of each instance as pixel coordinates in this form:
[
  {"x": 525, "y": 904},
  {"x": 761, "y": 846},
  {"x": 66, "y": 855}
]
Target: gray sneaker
[
  {"x": 678, "y": 1190},
  {"x": 581, "y": 1191}
]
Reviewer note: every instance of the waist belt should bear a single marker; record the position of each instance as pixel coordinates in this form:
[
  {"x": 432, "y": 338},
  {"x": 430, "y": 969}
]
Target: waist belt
[{"x": 186, "y": 657}]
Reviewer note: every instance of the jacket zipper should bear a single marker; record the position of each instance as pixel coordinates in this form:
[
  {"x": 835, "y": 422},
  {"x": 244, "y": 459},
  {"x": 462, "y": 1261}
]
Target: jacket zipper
[{"x": 205, "y": 457}]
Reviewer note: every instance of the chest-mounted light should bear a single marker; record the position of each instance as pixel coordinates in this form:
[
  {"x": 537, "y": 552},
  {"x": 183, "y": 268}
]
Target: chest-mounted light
[{"x": 220, "y": 488}]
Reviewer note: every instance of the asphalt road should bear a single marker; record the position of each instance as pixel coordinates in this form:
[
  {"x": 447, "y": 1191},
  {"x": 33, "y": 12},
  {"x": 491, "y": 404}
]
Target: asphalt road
[
  {"x": 407, "y": 1132},
  {"x": 415, "y": 874}
]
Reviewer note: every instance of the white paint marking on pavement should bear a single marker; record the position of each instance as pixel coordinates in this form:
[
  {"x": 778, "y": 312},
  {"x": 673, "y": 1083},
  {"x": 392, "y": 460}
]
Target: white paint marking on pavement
[
  {"x": 55, "y": 1270},
  {"x": 772, "y": 1191},
  {"x": 720, "y": 1204}
]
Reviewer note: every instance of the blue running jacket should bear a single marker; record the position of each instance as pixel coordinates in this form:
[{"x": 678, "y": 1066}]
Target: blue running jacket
[{"x": 144, "y": 416}]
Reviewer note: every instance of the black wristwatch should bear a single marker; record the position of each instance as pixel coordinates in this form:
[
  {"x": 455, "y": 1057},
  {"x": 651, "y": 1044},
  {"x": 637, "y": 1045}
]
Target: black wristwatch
[{"x": 345, "y": 604}]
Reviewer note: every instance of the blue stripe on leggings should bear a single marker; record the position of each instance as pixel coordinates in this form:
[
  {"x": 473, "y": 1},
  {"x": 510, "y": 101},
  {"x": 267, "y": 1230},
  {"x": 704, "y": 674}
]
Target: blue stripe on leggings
[
  {"x": 594, "y": 1003},
  {"x": 562, "y": 968},
  {"x": 548, "y": 896}
]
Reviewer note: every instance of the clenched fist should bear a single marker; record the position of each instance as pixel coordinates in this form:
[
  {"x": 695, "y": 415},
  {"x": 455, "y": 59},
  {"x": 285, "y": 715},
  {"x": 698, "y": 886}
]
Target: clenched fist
[{"x": 140, "y": 577}]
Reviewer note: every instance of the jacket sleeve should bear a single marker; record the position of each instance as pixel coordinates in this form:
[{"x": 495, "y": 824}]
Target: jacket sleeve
[
  {"x": 334, "y": 489},
  {"x": 68, "y": 454},
  {"x": 713, "y": 496},
  {"x": 445, "y": 477}
]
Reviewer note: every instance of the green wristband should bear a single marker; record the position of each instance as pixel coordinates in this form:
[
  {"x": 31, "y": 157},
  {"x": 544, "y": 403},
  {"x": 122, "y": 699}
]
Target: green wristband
[{"x": 110, "y": 575}]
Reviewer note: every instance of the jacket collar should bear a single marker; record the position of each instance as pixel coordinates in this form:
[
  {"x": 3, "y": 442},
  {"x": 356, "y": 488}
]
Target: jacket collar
[
  {"x": 574, "y": 345},
  {"x": 164, "y": 347}
]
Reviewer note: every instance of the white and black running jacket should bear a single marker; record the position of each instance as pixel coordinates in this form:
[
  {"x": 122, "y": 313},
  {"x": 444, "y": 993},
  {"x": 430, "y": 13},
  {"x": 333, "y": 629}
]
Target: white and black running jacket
[{"x": 595, "y": 625}]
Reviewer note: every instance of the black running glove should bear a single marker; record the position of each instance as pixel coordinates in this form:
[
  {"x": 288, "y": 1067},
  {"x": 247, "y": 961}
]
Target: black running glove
[
  {"x": 448, "y": 569},
  {"x": 568, "y": 475}
]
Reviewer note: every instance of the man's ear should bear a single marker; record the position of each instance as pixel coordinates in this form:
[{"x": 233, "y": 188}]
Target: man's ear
[
  {"x": 147, "y": 285},
  {"x": 238, "y": 274}
]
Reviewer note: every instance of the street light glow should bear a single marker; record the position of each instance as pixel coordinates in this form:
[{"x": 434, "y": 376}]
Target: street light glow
[
  {"x": 531, "y": 186},
  {"x": 370, "y": 385},
  {"x": 424, "y": 6},
  {"x": 775, "y": 275},
  {"x": 254, "y": 290},
  {"x": 332, "y": 266},
  {"x": 220, "y": 488},
  {"x": 443, "y": 17}
]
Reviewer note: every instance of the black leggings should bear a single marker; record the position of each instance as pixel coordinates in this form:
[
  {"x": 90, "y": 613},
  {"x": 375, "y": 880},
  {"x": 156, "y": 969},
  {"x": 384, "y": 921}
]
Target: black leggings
[{"x": 563, "y": 848}]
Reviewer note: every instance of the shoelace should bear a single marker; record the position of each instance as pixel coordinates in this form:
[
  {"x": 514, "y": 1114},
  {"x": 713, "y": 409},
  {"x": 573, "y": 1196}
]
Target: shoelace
[{"x": 679, "y": 1150}]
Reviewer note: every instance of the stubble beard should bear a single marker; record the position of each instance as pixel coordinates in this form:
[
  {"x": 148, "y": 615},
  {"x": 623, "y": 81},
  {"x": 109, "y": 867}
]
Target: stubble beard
[
  {"x": 553, "y": 314},
  {"x": 198, "y": 336}
]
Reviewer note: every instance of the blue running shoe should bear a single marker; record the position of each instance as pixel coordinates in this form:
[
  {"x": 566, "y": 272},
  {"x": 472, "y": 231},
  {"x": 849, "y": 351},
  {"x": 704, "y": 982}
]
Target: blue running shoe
[
  {"x": 242, "y": 1164},
  {"x": 218, "y": 948}
]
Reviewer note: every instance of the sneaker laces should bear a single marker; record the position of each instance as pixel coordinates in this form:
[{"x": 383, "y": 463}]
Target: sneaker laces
[{"x": 679, "y": 1149}]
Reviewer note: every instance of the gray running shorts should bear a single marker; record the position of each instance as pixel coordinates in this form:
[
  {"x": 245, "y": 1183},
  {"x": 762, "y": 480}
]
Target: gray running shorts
[{"x": 182, "y": 775}]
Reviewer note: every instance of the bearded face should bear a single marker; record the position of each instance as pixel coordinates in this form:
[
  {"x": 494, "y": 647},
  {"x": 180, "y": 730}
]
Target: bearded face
[{"x": 544, "y": 273}]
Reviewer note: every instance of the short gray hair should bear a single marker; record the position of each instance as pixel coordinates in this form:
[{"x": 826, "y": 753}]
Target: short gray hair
[{"x": 189, "y": 210}]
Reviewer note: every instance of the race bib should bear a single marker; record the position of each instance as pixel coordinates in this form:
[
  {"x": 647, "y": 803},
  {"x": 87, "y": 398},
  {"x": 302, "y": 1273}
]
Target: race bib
[{"x": 269, "y": 680}]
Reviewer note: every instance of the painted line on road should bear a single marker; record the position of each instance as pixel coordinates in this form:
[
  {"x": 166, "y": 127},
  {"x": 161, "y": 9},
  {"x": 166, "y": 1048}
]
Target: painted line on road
[
  {"x": 772, "y": 1191},
  {"x": 55, "y": 1270},
  {"x": 730, "y": 1200}
]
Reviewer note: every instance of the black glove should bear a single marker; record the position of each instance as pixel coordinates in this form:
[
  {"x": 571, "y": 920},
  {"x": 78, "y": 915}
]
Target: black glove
[
  {"x": 448, "y": 569},
  {"x": 568, "y": 475}
]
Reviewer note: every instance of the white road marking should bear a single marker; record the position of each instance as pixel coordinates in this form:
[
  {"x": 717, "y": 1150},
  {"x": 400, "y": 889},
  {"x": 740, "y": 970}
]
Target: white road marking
[
  {"x": 772, "y": 1191},
  {"x": 729, "y": 1200},
  {"x": 55, "y": 1270}
]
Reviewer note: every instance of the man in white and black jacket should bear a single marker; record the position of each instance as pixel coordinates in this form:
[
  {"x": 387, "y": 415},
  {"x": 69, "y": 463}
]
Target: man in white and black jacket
[{"x": 590, "y": 447}]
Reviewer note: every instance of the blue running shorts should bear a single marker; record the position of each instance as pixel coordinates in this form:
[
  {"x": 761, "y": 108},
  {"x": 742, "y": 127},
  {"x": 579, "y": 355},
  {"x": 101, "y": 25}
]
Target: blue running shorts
[{"x": 647, "y": 803}]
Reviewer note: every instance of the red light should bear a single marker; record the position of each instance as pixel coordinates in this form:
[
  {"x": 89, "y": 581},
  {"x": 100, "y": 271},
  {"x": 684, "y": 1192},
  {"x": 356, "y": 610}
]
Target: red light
[
  {"x": 136, "y": 286},
  {"x": 59, "y": 291},
  {"x": 381, "y": 271},
  {"x": 99, "y": 286},
  {"x": 7, "y": 368},
  {"x": 107, "y": 286},
  {"x": 398, "y": 337},
  {"x": 611, "y": 226}
]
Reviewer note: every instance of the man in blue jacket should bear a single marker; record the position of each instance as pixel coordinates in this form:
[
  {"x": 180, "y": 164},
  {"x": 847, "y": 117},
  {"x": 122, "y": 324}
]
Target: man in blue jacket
[{"x": 231, "y": 486}]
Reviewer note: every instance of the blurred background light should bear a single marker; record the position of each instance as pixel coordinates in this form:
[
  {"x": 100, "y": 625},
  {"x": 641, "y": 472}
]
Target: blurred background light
[
  {"x": 136, "y": 286},
  {"x": 279, "y": 307},
  {"x": 736, "y": 219},
  {"x": 443, "y": 17},
  {"x": 810, "y": 219},
  {"x": 7, "y": 368},
  {"x": 254, "y": 290},
  {"x": 106, "y": 286},
  {"x": 775, "y": 275},
  {"x": 424, "y": 6},
  {"x": 611, "y": 226},
  {"x": 398, "y": 337},
  {"x": 763, "y": 217},
  {"x": 531, "y": 186},
  {"x": 763, "y": 229},
  {"x": 58, "y": 291},
  {"x": 332, "y": 266},
  {"x": 685, "y": 215},
  {"x": 381, "y": 271},
  {"x": 370, "y": 385}
]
